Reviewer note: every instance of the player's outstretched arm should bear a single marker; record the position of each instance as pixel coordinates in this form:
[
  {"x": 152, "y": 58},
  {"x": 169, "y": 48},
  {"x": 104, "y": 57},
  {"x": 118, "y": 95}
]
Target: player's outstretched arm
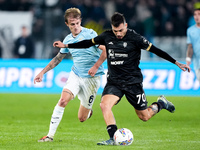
[
  {"x": 183, "y": 67},
  {"x": 166, "y": 56},
  {"x": 81, "y": 44},
  {"x": 101, "y": 59},
  {"x": 52, "y": 64}
]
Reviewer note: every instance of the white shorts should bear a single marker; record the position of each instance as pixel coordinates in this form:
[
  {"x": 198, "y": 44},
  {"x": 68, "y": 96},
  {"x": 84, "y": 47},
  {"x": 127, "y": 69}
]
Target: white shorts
[
  {"x": 198, "y": 74},
  {"x": 84, "y": 88}
]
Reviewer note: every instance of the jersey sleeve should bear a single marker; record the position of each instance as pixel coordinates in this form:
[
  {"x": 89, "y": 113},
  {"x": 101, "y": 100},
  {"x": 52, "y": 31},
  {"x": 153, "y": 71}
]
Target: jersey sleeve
[
  {"x": 141, "y": 42},
  {"x": 99, "y": 39},
  {"x": 93, "y": 35}
]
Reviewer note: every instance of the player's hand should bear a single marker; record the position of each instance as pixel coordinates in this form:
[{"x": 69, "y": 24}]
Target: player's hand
[
  {"x": 183, "y": 67},
  {"x": 38, "y": 78},
  {"x": 92, "y": 71},
  {"x": 59, "y": 44}
]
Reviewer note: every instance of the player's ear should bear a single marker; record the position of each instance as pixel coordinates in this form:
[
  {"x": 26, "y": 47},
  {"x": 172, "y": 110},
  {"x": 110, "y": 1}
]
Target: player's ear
[
  {"x": 66, "y": 24},
  {"x": 126, "y": 25}
]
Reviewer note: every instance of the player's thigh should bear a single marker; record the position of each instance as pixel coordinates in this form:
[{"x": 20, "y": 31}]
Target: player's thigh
[
  {"x": 112, "y": 91},
  {"x": 72, "y": 84},
  {"x": 108, "y": 101},
  {"x": 88, "y": 91},
  {"x": 136, "y": 96},
  {"x": 111, "y": 95}
]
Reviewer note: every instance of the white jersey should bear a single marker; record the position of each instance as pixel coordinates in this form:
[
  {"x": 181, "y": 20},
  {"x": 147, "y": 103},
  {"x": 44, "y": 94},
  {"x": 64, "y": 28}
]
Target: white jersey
[
  {"x": 193, "y": 37},
  {"x": 83, "y": 59}
]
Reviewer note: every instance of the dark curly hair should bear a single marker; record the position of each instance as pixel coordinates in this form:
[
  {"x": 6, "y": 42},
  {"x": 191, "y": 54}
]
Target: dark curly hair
[{"x": 117, "y": 19}]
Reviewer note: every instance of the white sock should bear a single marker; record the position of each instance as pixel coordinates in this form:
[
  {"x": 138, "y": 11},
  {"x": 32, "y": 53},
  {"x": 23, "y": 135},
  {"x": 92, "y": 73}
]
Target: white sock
[
  {"x": 55, "y": 120},
  {"x": 89, "y": 114}
]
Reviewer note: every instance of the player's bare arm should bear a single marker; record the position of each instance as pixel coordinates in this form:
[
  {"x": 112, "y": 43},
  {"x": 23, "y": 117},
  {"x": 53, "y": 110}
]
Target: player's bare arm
[
  {"x": 189, "y": 54},
  {"x": 101, "y": 59},
  {"x": 52, "y": 64}
]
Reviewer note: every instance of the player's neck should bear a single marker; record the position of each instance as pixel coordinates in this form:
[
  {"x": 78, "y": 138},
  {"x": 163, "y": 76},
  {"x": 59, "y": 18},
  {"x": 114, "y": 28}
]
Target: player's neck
[{"x": 198, "y": 25}]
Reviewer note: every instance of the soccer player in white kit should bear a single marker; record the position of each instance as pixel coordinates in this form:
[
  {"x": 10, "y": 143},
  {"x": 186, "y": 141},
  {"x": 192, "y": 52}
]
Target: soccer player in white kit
[
  {"x": 193, "y": 41},
  {"x": 84, "y": 78}
]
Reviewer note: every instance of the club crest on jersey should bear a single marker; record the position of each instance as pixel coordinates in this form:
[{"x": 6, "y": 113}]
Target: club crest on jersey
[
  {"x": 80, "y": 39},
  {"x": 125, "y": 44}
]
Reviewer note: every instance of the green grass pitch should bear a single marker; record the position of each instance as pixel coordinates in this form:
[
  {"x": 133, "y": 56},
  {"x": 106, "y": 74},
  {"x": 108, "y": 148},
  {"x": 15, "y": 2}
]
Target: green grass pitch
[{"x": 24, "y": 118}]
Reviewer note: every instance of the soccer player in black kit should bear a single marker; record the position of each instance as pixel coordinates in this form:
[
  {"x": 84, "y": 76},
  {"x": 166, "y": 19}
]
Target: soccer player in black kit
[{"x": 123, "y": 47}]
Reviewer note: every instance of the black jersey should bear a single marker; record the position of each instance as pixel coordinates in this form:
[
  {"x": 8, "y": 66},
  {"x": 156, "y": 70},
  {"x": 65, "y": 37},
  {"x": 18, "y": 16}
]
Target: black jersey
[{"x": 123, "y": 56}]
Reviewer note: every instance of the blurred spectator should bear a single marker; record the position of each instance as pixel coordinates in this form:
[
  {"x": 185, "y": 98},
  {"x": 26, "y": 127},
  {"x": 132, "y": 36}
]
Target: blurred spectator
[
  {"x": 165, "y": 16},
  {"x": 4, "y": 5},
  {"x": 145, "y": 18},
  {"x": 189, "y": 9},
  {"x": 86, "y": 10},
  {"x": 130, "y": 14},
  {"x": 38, "y": 36},
  {"x": 120, "y": 6},
  {"x": 180, "y": 23},
  {"x": 98, "y": 10},
  {"x": 24, "y": 46},
  {"x": 20, "y": 5},
  {"x": 168, "y": 29}
]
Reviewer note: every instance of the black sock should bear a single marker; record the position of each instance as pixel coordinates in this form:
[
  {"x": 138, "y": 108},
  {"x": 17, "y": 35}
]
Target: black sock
[
  {"x": 111, "y": 130},
  {"x": 159, "y": 104}
]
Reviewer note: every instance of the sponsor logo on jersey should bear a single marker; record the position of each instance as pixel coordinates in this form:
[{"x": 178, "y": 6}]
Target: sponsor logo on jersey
[
  {"x": 121, "y": 55},
  {"x": 112, "y": 54},
  {"x": 117, "y": 62}
]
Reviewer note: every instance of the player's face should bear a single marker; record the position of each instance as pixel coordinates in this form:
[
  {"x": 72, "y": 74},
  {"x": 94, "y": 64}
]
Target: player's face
[
  {"x": 197, "y": 17},
  {"x": 120, "y": 31},
  {"x": 74, "y": 25}
]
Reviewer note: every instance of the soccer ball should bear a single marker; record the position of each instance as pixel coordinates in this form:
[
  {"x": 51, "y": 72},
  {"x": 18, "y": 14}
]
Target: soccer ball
[{"x": 123, "y": 136}]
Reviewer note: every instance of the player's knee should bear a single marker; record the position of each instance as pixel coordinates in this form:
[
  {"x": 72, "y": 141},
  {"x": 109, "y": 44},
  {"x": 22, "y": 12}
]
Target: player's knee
[
  {"x": 63, "y": 102},
  {"x": 144, "y": 118},
  {"x": 103, "y": 106},
  {"x": 82, "y": 118}
]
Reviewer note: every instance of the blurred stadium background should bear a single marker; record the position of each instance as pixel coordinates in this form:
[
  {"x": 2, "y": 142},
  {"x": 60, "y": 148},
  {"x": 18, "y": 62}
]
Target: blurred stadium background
[{"x": 163, "y": 22}]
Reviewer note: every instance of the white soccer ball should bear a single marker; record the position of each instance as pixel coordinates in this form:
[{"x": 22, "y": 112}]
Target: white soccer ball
[{"x": 123, "y": 136}]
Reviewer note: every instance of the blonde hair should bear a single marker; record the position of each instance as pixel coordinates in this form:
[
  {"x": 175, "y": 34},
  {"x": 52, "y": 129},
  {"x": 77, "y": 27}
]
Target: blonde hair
[{"x": 72, "y": 13}]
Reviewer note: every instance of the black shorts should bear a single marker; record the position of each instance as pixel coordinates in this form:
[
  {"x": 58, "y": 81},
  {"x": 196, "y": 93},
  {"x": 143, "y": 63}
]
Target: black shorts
[{"x": 134, "y": 94}]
